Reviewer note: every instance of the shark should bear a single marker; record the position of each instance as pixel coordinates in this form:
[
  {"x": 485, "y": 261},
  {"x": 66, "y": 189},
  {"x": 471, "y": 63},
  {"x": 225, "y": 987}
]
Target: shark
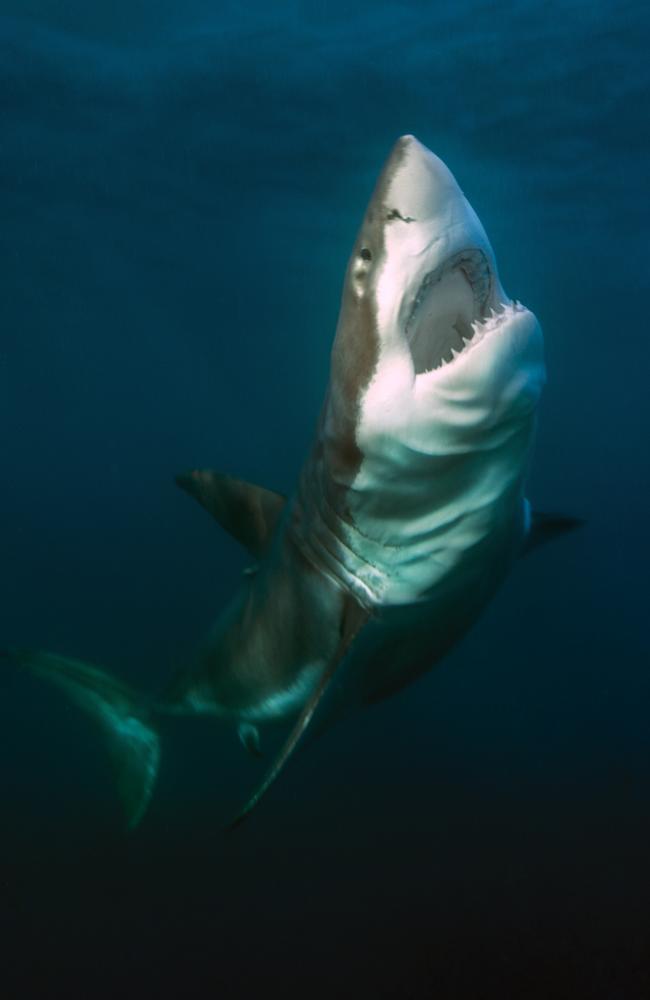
[{"x": 408, "y": 513}]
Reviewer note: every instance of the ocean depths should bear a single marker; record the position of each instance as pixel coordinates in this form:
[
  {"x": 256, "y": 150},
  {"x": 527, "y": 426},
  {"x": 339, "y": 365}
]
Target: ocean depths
[{"x": 180, "y": 187}]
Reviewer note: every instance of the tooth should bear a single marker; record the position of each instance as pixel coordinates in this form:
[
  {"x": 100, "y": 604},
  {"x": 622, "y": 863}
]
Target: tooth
[{"x": 454, "y": 353}]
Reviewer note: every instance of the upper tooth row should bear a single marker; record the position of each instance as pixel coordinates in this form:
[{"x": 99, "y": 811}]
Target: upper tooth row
[{"x": 481, "y": 326}]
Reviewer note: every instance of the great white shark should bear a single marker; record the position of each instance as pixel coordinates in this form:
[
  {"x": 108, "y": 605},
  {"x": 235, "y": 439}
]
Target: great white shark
[{"x": 410, "y": 509}]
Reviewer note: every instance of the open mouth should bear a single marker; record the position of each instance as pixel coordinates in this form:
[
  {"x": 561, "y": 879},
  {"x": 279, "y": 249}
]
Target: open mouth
[{"x": 451, "y": 303}]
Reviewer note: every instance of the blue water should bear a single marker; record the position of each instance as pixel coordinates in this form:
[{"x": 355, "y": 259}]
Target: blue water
[{"x": 180, "y": 186}]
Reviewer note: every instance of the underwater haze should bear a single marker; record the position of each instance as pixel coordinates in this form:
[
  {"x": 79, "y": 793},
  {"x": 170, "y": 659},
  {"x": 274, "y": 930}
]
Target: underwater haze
[{"x": 180, "y": 188}]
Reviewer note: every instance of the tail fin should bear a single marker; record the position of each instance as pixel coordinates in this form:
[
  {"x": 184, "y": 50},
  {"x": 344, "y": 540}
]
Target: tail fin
[{"x": 132, "y": 744}]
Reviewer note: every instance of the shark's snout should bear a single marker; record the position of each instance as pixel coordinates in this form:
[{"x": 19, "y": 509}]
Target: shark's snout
[{"x": 421, "y": 186}]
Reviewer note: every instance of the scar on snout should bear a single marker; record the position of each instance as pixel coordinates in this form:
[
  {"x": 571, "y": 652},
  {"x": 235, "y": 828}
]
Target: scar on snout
[{"x": 396, "y": 214}]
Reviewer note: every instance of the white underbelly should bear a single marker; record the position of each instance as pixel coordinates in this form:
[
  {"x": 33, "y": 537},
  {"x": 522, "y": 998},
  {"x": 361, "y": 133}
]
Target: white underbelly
[{"x": 403, "y": 535}]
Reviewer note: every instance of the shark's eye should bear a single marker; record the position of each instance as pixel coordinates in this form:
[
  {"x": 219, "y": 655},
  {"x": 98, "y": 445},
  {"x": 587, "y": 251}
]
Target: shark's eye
[{"x": 365, "y": 254}]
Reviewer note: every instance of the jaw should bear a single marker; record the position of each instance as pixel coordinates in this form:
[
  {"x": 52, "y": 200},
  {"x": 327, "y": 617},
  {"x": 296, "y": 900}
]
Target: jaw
[{"x": 452, "y": 301}]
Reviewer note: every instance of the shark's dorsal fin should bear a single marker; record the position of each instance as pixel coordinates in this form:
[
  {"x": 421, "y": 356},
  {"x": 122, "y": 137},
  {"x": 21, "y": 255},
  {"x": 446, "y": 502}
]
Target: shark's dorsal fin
[
  {"x": 354, "y": 619},
  {"x": 546, "y": 527},
  {"x": 248, "y": 512}
]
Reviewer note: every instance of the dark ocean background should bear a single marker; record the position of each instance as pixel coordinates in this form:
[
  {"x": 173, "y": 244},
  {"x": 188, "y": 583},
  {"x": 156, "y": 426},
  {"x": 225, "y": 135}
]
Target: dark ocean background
[{"x": 180, "y": 187}]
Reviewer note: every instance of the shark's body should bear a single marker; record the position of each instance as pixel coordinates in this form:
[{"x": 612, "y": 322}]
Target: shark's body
[{"x": 410, "y": 508}]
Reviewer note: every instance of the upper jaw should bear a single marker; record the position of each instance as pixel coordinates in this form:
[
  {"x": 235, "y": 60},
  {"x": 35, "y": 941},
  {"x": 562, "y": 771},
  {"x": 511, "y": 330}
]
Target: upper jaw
[{"x": 437, "y": 278}]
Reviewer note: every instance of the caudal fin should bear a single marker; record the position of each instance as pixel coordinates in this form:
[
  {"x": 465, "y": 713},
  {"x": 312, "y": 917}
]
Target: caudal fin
[{"x": 132, "y": 744}]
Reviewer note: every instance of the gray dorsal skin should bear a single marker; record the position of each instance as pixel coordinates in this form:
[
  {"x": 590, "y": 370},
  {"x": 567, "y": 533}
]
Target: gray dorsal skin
[
  {"x": 249, "y": 513},
  {"x": 409, "y": 510}
]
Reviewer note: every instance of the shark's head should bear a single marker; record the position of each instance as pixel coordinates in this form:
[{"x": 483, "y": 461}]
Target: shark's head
[
  {"x": 424, "y": 318},
  {"x": 436, "y": 376},
  {"x": 423, "y": 257}
]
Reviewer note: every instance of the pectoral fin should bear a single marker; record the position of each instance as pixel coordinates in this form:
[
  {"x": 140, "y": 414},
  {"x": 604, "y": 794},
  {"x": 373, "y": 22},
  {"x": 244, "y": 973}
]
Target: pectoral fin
[
  {"x": 546, "y": 527},
  {"x": 249, "y": 513},
  {"x": 353, "y": 621},
  {"x": 294, "y": 736}
]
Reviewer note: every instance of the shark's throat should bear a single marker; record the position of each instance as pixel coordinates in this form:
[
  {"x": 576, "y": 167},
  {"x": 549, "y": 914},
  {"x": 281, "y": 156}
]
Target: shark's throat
[{"x": 451, "y": 299}]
